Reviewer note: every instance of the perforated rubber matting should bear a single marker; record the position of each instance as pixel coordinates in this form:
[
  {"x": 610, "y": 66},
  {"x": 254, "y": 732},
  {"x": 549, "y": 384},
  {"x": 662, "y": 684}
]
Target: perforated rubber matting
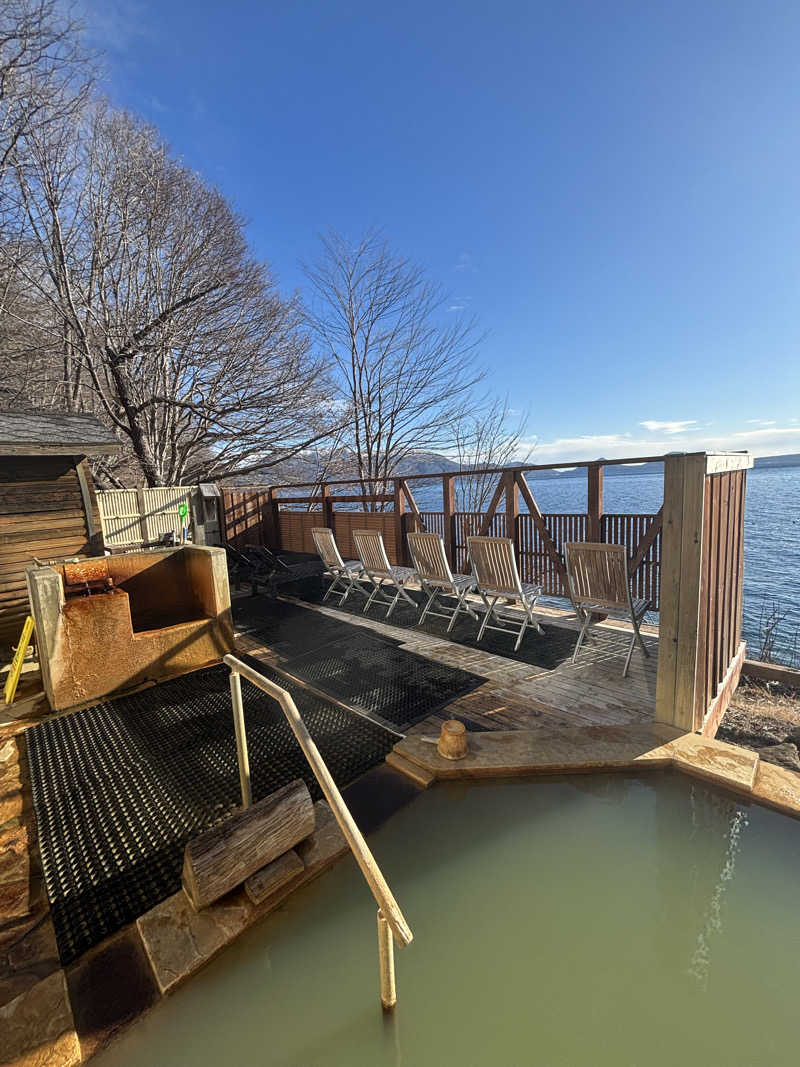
[
  {"x": 381, "y": 679},
  {"x": 547, "y": 652},
  {"x": 119, "y": 788}
]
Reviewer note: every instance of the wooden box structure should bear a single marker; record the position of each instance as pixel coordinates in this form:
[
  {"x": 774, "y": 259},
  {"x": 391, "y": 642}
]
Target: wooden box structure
[
  {"x": 48, "y": 505},
  {"x": 686, "y": 558}
]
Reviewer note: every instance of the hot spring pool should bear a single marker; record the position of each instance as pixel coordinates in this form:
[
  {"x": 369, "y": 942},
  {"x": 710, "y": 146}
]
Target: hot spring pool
[{"x": 584, "y": 921}]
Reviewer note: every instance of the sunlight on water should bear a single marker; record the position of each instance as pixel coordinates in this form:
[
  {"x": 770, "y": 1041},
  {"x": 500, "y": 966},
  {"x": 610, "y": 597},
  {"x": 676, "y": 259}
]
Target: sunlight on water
[{"x": 596, "y": 920}]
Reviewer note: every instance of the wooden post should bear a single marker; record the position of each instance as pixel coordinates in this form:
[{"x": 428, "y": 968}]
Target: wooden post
[
  {"x": 681, "y": 566},
  {"x": 386, "y": 962},
  {"x": 142, "y": 506},
  {"x": 594, "y": 501},
  {"x": 449, "y": 506},
  {"x": 399, "y": 524},
  {"x": 327, "y": 507},
  {"x": 512, "y": 510},
  {"x": 273, "y": 523},
  {"x": 241, "y": 739}
]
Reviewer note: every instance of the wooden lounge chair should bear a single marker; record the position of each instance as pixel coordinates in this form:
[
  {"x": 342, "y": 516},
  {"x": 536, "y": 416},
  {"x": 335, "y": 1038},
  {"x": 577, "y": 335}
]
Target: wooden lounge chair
[
  {"x": 345, "y": 574},
  {"x": 598, "y": 581},
  {"x": 497, "y": 577},
  {"x": 372, "y": 553},
  {"x": 436, "y": 578}
]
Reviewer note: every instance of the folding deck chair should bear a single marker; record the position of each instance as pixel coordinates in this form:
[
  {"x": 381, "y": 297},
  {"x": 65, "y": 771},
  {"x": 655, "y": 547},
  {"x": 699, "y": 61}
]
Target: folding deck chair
[
  {"x": 372, "y": 553},
  {"x": 496, "y": 574},
  {"x": 598, "y": 581},
  {"x": 344, "y": 574},
  {"x": 435, "y": 577}
]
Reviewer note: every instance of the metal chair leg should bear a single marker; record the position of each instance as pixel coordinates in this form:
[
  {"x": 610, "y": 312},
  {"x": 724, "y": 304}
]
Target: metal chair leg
[
  {"x": 487, "y": 616},
  {"x": 628, "y": 657},
  {"x": 427, "y": 607},
  {"x": 586, "y": 620}
]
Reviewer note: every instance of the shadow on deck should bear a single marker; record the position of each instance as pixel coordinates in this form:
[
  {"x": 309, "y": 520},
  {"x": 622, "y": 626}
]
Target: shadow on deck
[{"x": 539, "y": 686}]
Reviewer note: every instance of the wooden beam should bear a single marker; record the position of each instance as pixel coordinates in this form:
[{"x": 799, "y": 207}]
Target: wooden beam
[
  {"x": 399, "y": 523},
  {"x": 486, "y": 525},
  {"x": 511, "y": 490},
  {"x": 594, "y": 501},
  {"x": 723, "y": 462},
  {"x": 413, "y": 505},
  {"x": 541, "y": 526},
  {"x": 646, "y": 543},
  {"x": 327, "y": 507},
  {"x": 681, "y": 560},
  {"x": 449, "y": 506},
  {"x": 727, "y": 687}
]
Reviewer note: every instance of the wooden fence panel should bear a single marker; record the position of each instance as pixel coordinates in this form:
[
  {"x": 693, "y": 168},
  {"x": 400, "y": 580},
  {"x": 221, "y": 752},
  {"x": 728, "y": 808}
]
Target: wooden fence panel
[
  {"x": 246, "y": 518},
  {"x": 720, "y": 617},
  {"x": 344, "y": 522},
  {"x": 628, "y": 530},
  {"x": 295, "y": 530}
]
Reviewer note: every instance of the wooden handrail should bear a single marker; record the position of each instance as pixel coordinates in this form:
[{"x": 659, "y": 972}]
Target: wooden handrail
[{"x": 358, "y": 846}]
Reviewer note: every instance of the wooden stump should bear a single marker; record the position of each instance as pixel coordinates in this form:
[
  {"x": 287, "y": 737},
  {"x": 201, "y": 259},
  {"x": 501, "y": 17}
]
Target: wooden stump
[
  {"x": 453, "y": 740},
  {"x": 225, "y": 856}
]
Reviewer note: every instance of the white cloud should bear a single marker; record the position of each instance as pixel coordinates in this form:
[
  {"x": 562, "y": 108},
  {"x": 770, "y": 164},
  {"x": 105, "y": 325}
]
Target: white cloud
[
  {"x": 764, "y": 441},
  {"x": 466, "y": 263},
  {"x": 667, "y": 427},
  {"x": 763, "y": 422}
]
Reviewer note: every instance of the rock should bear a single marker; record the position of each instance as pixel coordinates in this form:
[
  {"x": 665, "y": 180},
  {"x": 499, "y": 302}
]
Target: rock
[
  {"x": 793, "y": 736},
  {"x": 784, "y": 755}
]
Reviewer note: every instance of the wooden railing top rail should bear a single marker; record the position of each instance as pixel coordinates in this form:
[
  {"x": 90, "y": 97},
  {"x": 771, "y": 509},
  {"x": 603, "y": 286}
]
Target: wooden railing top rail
[{"x": 716, "y": 460}]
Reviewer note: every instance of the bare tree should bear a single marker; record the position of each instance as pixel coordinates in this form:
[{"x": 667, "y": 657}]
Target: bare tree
[
  {"x": 488, "y": 435},
  {"x": 45, "y": 73},
  {"x": 165, "y": 323},
  {"x": 402, "y": 370}
]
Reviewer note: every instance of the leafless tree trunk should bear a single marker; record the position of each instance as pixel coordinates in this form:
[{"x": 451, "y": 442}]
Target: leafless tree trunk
[
  {"x": 165, "y": 323},
  {"x": 402, "y": 370}
]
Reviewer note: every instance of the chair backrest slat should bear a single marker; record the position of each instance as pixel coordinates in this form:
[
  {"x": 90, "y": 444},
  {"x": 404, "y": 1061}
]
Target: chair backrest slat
[
  {"x": 372, "y": 552},
  {"x": 494, "y": 565},
  {"x": 429, "y": 557},
  {"x": 326, "y": 547},
  {"x": 598, "y": 574}
]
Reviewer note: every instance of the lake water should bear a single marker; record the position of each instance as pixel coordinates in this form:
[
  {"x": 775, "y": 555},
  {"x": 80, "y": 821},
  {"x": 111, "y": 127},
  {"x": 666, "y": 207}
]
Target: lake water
[
  {"x": 772, "y": 535},
  {"x": 683, "y": 951}
]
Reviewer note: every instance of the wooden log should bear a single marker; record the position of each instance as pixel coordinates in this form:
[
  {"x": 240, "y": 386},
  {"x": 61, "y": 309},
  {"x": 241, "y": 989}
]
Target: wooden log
[
  {"x": 276, "y": 874},
  {"x": 227, "y": 854},
  {"x": 386, "y": 963}
]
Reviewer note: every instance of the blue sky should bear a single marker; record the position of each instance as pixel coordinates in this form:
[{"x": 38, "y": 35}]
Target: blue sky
[{"x": 610, "y": 188}]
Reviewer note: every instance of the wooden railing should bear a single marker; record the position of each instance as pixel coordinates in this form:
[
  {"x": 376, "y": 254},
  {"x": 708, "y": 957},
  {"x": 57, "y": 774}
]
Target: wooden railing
[
  {"x": 271, "y": 516},
  {"x": 686, "y": 558},
  {"x": 390, "y": 917}
]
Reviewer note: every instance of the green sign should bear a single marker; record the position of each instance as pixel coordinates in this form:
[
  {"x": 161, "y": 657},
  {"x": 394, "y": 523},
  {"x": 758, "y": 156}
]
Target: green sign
[{"x": 183, "y": 511}]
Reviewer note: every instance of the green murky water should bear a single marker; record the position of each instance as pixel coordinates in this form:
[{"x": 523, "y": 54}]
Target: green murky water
[{"x": 595, "y": 920}]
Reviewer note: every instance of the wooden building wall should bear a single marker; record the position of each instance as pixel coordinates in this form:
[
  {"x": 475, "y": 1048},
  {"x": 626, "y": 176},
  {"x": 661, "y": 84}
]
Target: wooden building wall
[{"x": 42, "y": 514}]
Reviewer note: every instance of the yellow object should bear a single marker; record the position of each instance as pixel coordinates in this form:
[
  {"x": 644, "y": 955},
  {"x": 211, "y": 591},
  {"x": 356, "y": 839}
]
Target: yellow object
[{"x": 19, "y": 658}]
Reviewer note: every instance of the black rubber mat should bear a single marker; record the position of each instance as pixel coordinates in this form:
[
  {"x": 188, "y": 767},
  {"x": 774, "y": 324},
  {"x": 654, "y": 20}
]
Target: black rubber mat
[
  {"x": 391, "y": 683},
  {"x": 119, "y": 788},
  {"x": 290, "y": 629},
  {"x": 547, "y": 652}
]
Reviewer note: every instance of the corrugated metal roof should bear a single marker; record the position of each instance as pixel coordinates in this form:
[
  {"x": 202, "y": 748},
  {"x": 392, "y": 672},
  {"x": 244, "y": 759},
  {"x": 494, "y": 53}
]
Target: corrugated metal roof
[{"x": 54, "y": 433}]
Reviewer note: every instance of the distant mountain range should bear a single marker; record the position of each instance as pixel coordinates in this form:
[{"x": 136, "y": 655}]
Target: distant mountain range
[{"x": 302, "y": 468}]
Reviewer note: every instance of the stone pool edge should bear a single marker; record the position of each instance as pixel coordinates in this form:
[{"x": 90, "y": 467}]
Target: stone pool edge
[{"x": 593, "y": 749}]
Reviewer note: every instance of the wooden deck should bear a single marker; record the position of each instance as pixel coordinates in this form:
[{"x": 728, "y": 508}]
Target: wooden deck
[{"x": 519, "y": 696}]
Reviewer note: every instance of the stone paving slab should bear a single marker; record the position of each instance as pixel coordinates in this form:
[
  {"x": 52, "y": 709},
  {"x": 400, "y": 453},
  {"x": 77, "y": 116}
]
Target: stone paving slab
[
  {"x": 179, "y": 940},
  {"x": 778, "y": 787},
  {"x": 36, "y": 1028},
  {"x": 546, "y": 751},
  {"x": 716, "y": 761}
]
